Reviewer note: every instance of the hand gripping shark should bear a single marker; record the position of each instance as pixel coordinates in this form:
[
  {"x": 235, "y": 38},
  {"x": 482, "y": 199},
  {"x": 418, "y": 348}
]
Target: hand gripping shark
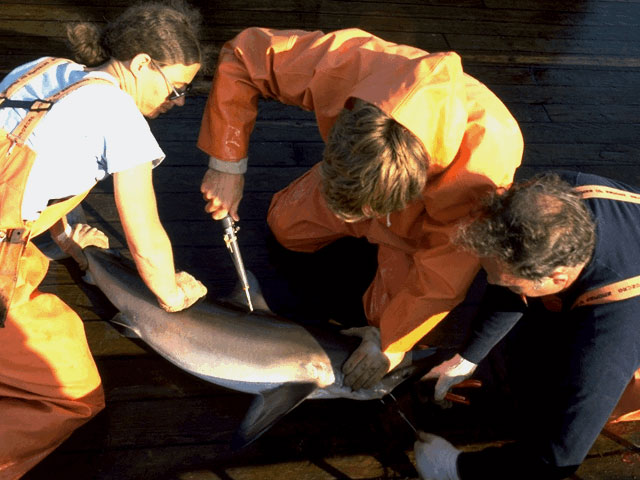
[{"x": 280, "y": 361}]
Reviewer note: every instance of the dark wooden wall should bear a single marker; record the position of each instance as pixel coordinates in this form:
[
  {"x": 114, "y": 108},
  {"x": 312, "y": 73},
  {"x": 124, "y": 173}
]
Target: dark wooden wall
[{"x": 569, "y": 72}]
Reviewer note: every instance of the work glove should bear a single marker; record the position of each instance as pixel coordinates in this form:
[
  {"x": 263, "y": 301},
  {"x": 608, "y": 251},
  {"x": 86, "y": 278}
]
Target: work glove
[
  {"x": 73, "y": 239},
  {"x": 189, "y": 292},
  {"x": 448, "y": 374},
  {"x": 368, "y": 363},
  {"x": 436, "y": 459}
]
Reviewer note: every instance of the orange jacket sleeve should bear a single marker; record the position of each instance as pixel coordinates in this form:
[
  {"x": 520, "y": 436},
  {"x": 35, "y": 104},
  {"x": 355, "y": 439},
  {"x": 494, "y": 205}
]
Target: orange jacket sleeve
[{"x": 321, "y": 72}]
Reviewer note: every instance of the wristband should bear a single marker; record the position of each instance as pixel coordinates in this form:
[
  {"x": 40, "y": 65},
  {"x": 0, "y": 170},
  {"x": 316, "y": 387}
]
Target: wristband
[
  {"x": 65, "y": 234},
  {"x": 237, "y": 167}
]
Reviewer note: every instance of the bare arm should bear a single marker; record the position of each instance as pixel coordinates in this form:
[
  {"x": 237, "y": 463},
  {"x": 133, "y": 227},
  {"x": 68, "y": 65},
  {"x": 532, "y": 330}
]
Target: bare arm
[{"x": 148, "y": 242}]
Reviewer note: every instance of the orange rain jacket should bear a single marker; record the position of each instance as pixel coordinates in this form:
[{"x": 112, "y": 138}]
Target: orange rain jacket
[{"x": 473, "y": 142}]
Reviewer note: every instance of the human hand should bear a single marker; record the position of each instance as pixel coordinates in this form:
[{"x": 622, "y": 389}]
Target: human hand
[
  {"x": 189, "y": 291},
  {"x": 436, "y": 458},
  {"x": 72, "y": 240},
  {"x": 448, "y": 374},
  {"x": 222, "y": 192},
  {"x": 368, "y": 363}
]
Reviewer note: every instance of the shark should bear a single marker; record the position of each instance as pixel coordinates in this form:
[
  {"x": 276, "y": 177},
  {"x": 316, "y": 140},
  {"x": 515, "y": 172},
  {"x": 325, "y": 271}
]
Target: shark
[{"x": 281, "y": 362}]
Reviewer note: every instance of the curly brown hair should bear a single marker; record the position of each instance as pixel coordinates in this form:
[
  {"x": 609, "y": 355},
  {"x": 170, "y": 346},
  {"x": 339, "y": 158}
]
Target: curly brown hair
[
  {"x": 533, "y": 227},
  {"x": 371, "y": 161},
  {"x": 165, "y": 30}
]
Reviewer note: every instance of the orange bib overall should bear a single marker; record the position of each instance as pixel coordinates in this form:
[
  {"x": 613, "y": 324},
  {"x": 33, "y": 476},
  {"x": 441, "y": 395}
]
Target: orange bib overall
[{"x": 49, "y": 383}]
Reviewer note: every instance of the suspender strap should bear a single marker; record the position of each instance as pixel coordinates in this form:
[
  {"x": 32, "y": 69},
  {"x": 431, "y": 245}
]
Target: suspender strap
[
  {"x": 613, "y": 292},
  {"x": 623, "y": 289},
  {"x": 609, "y": 193},
  {"x": 26, "y": 104},
  {"x": 22, "y": 131},
  {"x": 27, "y": 76}
]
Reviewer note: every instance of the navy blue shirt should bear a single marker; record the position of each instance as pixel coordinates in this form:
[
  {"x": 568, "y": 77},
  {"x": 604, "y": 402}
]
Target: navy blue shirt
[{"x": 592, "y": 351}]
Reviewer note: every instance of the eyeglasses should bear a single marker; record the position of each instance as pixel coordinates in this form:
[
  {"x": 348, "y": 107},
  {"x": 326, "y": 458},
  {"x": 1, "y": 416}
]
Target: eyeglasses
[{"x": 177, "y": 93}]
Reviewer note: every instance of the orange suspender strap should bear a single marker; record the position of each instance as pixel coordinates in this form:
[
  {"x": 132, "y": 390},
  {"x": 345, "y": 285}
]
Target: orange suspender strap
[
  {"x": 26, "y": 77},
  {"x": 602, "y": 191},
  {"x": 40, "y": 108},
  {"x": 613, "y": 292},
  {"x": 623, "y": 289}
]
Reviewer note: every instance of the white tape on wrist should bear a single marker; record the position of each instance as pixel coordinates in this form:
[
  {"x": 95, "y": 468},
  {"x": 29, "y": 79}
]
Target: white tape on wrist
[
  {"x": 236, "y": 167},
  {"x": 65, "y": 235}
]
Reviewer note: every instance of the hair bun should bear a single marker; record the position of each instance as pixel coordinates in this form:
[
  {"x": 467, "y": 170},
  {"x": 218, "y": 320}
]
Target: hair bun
[{"x": 84, "y": 39}]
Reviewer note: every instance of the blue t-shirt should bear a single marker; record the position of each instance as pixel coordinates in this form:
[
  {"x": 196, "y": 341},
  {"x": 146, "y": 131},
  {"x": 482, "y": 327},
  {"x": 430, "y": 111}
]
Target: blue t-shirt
[{"x": 94, "y": 131}]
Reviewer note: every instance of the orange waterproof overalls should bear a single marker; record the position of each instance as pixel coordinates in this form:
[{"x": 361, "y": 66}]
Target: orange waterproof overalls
[
  {"x": 473, "y": 142},
  {"x": 49, "y": 383}
]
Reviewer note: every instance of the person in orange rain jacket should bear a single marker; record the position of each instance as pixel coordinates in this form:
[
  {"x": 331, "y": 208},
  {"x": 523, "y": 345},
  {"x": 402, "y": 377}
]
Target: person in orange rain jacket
[
  {"x": 63, "y": 127},
  {"x": 411, "y": 144}
]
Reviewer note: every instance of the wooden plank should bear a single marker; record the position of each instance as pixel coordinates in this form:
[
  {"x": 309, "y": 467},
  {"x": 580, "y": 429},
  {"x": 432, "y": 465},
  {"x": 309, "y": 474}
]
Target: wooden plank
[
  {"x": 267, "y": 130},
  {"x": 584, "y": 133},
  {"x": 623, "y": 94},
  {"x": 377, "y": 17},
  {"x": 609, "y": 6},
  {"x": 105, "y": 341},
  {"x": 581, "y": 155},
  {"x": 592, "y": 77},
  {"x": 202, "y": 462},
  {"x": 550, "y": 46},
  {"x": 548, "y": 60},
  {"x": 149, "y": 376},
  {"x": 181, "y": 207},
  {"x": 60, "y": 12},
  {"x": 612, "y": 114}
]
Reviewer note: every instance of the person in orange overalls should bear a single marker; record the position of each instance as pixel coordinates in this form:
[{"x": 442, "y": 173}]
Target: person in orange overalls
[
  {"x": 411, "y": 144},
  {"x": 63, "y": 127}
]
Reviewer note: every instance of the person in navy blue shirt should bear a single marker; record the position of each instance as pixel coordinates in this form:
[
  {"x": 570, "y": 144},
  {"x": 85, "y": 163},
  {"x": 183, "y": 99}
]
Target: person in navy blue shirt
[{"x": 562, "y": 256}]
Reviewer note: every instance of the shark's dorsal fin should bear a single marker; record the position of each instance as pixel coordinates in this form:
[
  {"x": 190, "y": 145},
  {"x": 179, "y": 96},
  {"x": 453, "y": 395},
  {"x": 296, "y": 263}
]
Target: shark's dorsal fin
[
  {"x": 238, "y": 296},
  {"x": 122, "y": 323},
  {"x": 269, "y": 407}
]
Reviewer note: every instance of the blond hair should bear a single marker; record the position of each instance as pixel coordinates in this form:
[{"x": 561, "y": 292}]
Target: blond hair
[{"x": 371, "y": 162}]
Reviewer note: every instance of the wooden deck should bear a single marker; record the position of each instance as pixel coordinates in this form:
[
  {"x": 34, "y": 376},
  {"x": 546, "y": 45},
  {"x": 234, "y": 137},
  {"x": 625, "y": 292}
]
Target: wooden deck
[{"x": 569, "y": 72}]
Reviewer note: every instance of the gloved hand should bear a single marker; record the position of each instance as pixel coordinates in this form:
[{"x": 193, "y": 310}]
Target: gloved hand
[
  {"x": 368, "y": 363},
  {"x": 73, "y": 239},
  {"x": 436, "y": 459},
  {"x": 189, "y": 292},
  {"x": 449, "y": 373}
]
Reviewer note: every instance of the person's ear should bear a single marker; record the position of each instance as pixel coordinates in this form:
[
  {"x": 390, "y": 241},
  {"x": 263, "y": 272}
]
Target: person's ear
[
  {"x": 560, "y": 278},
  {"x": 139, "y": 63}
]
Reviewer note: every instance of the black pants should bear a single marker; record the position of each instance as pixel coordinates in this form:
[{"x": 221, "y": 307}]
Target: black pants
[{"x": 566, "y": 372}]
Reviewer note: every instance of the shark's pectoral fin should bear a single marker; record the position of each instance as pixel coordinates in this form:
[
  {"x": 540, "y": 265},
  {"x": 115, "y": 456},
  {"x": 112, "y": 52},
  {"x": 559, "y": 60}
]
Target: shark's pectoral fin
[
  {"x": 269, "y": 407},
  {"x": 122, "y": 323}
]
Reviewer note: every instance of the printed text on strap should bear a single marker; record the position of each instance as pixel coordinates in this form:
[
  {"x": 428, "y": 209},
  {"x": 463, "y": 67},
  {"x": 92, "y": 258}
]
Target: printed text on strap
[
  {"x": 602, "y": 191},
  {"x": 613, "y": 292}
]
